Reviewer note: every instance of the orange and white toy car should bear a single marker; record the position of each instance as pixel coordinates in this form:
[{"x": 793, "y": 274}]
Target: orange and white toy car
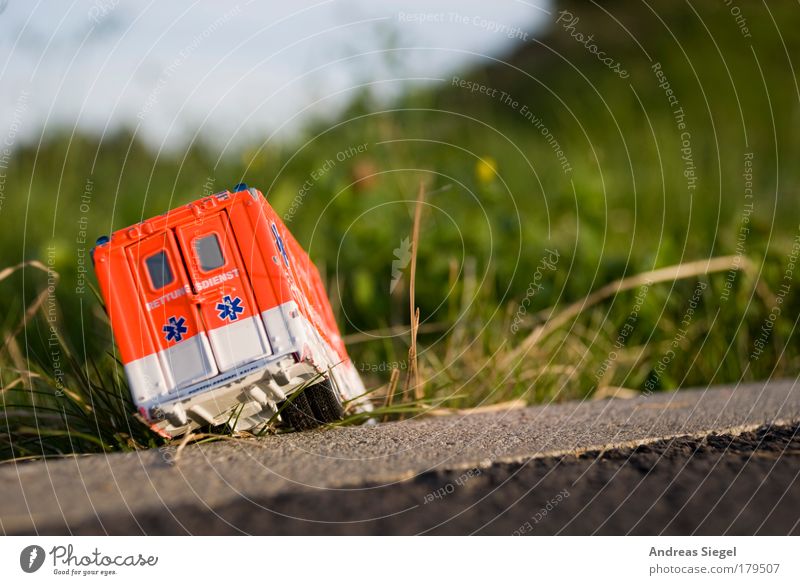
[{"x": 220, "y": 316}]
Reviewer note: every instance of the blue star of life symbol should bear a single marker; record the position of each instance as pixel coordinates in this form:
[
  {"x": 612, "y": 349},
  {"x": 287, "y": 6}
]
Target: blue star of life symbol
[
  {"x": 230, "y": 308},
  {"x": 280, "y": 244},
  {"x": 175, "y": 329}
]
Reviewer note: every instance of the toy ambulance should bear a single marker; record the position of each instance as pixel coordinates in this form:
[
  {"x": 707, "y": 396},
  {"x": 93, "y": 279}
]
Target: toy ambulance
[{"x": 220, "y": 316}]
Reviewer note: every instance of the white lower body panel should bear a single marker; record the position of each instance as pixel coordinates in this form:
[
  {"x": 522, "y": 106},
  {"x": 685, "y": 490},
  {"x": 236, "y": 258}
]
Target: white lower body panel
[
  {"x": 183, "y": 364},
  {"x": 188, "y": 362},
  {"x": 238, "y": 343},
  {"x": 254, "y": 372}
]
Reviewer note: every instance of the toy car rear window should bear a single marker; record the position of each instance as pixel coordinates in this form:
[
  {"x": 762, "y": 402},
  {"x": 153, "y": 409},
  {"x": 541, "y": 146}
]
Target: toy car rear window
[
  {"x": 159, "y": 270},
  {"x": 209, "y": 253}
]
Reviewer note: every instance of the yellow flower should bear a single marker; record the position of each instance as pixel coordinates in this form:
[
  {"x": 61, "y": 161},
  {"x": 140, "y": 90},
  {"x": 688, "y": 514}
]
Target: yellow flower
[{"x": 485, "y": 170}]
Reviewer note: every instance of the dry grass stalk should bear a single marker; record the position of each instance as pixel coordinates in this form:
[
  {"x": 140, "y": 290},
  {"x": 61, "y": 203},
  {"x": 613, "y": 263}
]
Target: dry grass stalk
[
  {"x": 185, "y": 441},
  {"x": 619, "y": 392},
  {"x": 666, "y": 274},
  {"x": 499, "y": 407},
  {"x": 395, "y": 377},
  {"x": 31, "y": 310},
  {"x": 15, "y": 352},
  {"x": 412, "y": 376}
]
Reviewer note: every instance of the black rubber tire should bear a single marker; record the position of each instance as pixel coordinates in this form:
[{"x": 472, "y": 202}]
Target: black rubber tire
[
  {"x": 325, "y": 402},
  {"x": 298, "y": 413}
]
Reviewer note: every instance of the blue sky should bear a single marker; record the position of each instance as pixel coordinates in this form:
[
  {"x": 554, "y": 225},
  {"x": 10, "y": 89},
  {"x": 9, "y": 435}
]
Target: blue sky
[{"x": 231, "y": 72}]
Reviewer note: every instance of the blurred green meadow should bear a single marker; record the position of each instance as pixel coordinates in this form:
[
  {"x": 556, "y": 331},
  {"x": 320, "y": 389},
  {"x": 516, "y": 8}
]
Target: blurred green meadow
[{"x": 548, "y": 175}]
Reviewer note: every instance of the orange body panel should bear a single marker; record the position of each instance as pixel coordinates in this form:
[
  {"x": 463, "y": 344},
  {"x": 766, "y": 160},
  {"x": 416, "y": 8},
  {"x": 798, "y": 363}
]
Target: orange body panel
[{"x": 267, "y": 277}]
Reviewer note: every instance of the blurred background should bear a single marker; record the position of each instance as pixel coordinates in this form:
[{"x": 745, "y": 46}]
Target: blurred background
[{"x": 564, "y": 147}]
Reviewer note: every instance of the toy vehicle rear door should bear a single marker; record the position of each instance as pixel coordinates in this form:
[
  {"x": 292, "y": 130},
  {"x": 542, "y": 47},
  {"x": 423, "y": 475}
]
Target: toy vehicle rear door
[
  {"x": 223, "y": 291},
  {"x": 174, "y": 322}
]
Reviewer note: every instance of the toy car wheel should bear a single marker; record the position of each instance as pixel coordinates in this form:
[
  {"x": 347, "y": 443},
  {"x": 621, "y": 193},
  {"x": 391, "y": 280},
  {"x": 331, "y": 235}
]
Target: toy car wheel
[
  {"x": 296, "y": 412},
  {"x": 325, "y": 402}
]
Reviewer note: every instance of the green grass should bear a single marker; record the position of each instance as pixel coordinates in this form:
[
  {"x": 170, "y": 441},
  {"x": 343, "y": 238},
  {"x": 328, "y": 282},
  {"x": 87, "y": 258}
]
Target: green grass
[{"x": 497, "y": 200}]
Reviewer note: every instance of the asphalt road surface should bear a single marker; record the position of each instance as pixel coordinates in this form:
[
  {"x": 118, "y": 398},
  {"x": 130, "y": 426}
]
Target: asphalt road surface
[{"x": 710, "y": 461}]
